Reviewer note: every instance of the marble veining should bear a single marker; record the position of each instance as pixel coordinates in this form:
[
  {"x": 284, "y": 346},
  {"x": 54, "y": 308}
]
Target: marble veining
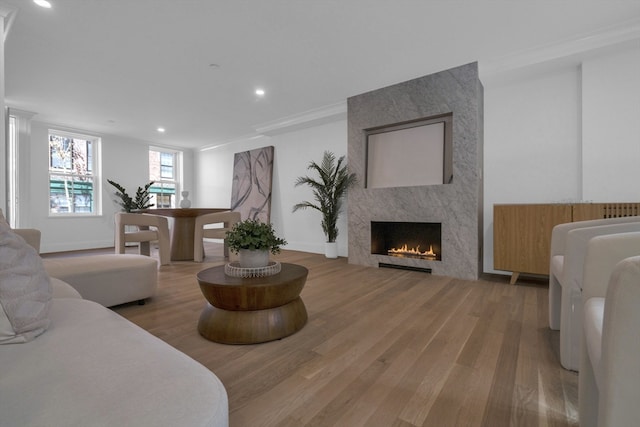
[{"x": 457, "y": 205}]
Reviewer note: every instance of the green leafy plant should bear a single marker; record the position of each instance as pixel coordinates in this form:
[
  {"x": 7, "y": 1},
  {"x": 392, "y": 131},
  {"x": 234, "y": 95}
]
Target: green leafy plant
[
  {"x": 254, "y": 235},
  {"x": 140, "y": 201},
  {"x": 329, "y": 190}
]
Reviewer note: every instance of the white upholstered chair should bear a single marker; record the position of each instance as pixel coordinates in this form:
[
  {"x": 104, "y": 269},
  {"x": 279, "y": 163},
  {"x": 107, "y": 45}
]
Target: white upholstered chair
[
  {"x": 226, "y": 219},
  {"x": 609, "y": 379},
  {"x": 566, "y": 277},
  {"x": 558, "y": 249},
  {"x": 148, "y": 228}
]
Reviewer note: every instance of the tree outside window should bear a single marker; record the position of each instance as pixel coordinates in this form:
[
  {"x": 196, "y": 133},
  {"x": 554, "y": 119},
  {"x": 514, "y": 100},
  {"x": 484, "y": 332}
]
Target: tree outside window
[{"x": 72, "y": 182}]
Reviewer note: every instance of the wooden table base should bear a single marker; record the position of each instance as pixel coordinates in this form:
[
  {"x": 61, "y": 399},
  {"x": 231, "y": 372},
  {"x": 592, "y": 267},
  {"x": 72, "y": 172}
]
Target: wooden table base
[
  {"x": 254, "y": 309},
  {"x": 254, "y": 326}
]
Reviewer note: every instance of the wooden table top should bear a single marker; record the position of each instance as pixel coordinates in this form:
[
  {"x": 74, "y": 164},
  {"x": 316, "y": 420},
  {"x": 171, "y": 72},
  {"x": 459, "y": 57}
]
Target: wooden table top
[
  {"x": 183, "y": 212},
  {"x": 252, "y": 293},
  {"x": 216, "y": 276}
]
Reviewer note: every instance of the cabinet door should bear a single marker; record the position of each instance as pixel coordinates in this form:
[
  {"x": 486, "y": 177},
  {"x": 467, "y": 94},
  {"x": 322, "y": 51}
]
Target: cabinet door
[{"x": 522, "y": 235}]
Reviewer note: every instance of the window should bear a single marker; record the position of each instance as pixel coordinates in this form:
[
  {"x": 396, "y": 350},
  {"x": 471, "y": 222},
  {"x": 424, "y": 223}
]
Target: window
[
  {"x": 73, "y": 180},
  {"x": 164, "y": 171}
]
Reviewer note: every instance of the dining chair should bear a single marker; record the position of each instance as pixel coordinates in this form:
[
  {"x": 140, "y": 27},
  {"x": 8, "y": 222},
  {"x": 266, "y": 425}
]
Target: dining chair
[
  {"x": 148, "y": 228},
  {"x": 227, "y": 219}
]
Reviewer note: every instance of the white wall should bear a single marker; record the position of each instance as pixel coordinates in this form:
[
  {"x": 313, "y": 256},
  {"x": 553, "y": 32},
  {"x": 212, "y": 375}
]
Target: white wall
[
  {"x": 293, "y": 152},
  {"x": 531, "y": 144},
  {"x": 566, "y": 135},
  {"x": 123, "y": 161},
  {"x": 611, "y": 127}
]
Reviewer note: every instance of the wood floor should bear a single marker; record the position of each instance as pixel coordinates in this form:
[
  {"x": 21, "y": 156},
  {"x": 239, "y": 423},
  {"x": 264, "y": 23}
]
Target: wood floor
[{"x": 382, "y": 347}]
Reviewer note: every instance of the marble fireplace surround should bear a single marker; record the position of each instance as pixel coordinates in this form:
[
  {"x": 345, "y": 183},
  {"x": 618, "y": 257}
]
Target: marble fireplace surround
[{"x": 457, "y": 206}]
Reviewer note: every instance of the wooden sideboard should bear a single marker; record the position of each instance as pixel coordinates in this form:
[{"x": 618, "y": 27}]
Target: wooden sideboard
[{"x": 522, "y": 232}]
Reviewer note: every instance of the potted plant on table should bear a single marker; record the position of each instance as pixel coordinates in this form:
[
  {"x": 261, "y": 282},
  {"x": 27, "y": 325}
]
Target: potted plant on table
[
  {"x": 141, "y": 201},
  {"x": 329, "y": 190},
  {"x": 252, "y": 240}
]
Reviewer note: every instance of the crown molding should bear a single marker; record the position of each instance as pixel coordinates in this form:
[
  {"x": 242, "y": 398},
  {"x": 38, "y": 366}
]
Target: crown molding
[
  {"x": 244, "y": 138},
  {"x": 573, "y": 49},
  {"x": 24, "y": 114},
  {"x": 318, "y": 116},
  {"x": 8, "y": 14},
  {"x": 570, "y": 51}
]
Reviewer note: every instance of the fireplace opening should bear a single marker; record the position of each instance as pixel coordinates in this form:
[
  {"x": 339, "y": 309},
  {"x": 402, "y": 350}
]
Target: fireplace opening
[{"x": 421, "y": 240}]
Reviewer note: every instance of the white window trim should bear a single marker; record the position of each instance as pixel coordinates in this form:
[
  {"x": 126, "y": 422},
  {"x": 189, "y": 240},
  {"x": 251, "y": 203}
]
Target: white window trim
[
  {"x": 96, "y": 168},
  {"x": 178, "y": 159},
  {"x": 18, "y": 159}
]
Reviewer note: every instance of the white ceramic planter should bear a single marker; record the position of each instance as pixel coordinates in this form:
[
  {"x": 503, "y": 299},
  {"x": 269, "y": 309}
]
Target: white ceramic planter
[
  {"x": 331, "y": 250},
  {"x": 253, "y": 258}
]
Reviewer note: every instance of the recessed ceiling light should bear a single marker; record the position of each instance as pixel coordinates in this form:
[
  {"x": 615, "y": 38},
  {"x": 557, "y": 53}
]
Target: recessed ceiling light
[
  {"x": 43, "y": 3},
  {"x": 161, "y": 130},
  {"x": 260, "y": 92}
]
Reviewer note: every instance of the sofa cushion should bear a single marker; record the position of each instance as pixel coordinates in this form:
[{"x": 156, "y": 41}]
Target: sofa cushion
[
  {"x": 25, "y": 290},
  {"x": 63, "y": 289},
  {"x": 95, "y": 368}
]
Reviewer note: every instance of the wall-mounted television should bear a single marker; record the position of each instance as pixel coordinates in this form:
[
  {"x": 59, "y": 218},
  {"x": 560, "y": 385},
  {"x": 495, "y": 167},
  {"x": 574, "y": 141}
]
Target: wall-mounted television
[{"x": 408, "y": 154}]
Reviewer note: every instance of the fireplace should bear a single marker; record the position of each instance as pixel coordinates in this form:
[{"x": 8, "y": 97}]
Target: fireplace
[
  {"x": 456, "y": 203},
  {"x": 417, "y": 240}
]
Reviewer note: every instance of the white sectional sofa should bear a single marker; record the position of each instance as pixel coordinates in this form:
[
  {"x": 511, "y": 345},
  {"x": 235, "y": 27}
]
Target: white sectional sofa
[
  {"x": 108, "y": 279},
  {"x": 609, "y": 380},
  {"x": 80, "y": 364},
  {"x": 568, "y": 251}
]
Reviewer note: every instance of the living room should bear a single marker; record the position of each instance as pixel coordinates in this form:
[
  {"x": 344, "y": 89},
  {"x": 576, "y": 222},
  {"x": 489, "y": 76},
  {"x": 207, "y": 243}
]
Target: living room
[
  {"x": 559, "y": 126},
  {"x": 542, "y": 143}
]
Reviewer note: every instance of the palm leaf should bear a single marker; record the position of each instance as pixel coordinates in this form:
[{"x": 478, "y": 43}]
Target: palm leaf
[{"x": 328, "y": 190}]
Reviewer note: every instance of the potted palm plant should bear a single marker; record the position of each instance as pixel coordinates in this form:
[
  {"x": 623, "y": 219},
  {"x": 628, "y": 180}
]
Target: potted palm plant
[
  {"x": 252, "y": 240},
  {"x": 328, "y": 189}
]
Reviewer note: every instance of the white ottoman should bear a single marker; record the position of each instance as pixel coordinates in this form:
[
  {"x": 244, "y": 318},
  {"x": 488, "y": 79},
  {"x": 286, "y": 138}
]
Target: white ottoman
[{"x": 107, "y": 279}]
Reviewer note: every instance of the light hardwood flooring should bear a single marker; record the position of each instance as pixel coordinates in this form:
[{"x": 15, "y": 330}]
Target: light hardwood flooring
[{"x": 382, "y": 347}]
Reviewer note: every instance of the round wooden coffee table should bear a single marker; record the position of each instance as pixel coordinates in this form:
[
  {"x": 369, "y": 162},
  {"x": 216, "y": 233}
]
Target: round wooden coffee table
[{"x": 252, "y": 310}]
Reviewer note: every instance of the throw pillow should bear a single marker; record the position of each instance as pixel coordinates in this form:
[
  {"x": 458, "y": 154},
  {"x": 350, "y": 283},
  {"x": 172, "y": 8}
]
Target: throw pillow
[{"x": 25, "y": 290}]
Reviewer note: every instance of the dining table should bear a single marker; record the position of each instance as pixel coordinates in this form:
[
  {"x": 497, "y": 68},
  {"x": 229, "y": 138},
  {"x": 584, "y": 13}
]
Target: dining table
[{"x": 182, "y": 229}]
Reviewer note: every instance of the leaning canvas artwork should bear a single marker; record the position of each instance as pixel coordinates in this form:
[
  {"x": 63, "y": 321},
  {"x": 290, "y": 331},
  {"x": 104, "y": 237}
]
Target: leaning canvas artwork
[{"x": 251, "y": 187}]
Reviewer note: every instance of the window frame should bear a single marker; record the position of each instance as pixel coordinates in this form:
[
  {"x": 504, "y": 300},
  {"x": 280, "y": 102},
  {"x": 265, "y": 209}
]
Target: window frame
[
  {"x": 160, "y": 181},
  {"x": 93, "y": 167}
]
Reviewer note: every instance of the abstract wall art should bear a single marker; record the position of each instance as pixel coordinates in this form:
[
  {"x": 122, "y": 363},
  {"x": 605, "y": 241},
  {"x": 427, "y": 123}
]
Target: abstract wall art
[{"x": 251, "y": 187}]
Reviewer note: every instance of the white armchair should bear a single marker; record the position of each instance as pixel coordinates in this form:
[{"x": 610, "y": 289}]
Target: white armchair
[
  {"x": 558, "y": 249},
  {"x": 609, "y": 379},
  {"x": 569, "y": 246},
  {"x": 227, "y": 219},
  {"x": 149, "y": 228}
]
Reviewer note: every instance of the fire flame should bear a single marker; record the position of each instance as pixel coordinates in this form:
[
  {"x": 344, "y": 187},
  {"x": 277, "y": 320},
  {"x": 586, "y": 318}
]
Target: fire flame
[{"x": 405, "y": 251}]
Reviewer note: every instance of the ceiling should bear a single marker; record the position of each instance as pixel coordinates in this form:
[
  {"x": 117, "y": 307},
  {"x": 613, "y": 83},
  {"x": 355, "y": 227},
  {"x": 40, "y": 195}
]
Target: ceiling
[{"x": 126, "y": 67}]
